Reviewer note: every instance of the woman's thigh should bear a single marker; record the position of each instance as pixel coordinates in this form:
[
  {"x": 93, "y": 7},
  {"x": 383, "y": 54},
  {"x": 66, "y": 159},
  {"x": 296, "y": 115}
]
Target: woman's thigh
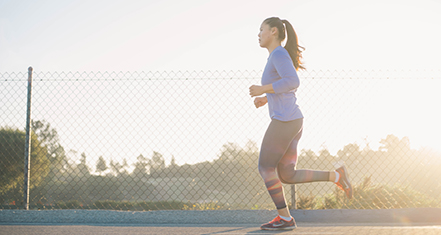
[{"x": 278, "y": 140}]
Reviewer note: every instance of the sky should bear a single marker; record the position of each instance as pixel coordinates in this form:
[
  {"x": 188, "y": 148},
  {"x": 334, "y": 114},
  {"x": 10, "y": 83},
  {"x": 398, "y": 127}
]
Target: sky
[
  {"x": 221, "y": 35},
  {"x": 120, "y": 35}
]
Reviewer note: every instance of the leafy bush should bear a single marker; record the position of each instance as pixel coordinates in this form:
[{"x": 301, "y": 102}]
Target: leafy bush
[
  {"x": 137, "y": 206},
  {"x": 306, "y": 202},
  {"x": 74, "y": 204},
  {"x": 370, "y": 196}
]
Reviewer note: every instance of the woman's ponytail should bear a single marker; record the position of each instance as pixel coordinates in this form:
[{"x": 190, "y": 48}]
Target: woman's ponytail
[{"x": 292, "y": 46}]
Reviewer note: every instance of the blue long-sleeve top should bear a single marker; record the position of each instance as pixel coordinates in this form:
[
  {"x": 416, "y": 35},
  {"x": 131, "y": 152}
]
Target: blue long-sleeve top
[{"x": 280, "y": 72}]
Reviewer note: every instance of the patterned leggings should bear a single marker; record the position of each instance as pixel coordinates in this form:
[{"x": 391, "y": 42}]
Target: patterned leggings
[{"x": 278, "y": 158}]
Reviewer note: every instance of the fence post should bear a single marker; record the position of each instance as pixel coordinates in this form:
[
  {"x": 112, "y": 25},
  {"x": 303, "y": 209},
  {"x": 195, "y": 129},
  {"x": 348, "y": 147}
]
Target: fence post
[
  {"x": 293, "y": 197},
  {"x": 27, "y": 157}
]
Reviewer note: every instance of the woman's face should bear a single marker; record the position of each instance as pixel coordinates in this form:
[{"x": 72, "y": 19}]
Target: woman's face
[{"x": 265, "y": 35}]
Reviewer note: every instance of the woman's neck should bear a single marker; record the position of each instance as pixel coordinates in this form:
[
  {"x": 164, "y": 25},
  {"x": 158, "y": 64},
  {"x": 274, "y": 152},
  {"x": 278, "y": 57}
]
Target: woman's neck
[{"x": 273, "y": 46}]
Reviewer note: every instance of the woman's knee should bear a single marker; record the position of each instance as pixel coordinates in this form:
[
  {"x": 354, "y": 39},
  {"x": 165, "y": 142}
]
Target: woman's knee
[
  {"x": 286, "y": 173},
  {"x": 266, "y": 171}
]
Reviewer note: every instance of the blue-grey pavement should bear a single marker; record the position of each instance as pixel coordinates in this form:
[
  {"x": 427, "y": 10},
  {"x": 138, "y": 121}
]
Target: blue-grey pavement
[{"x": 400, "y": 216}]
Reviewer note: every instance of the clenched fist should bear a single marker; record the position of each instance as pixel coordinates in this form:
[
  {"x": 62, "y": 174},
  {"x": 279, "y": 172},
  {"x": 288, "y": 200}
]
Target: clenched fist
[{"x": 260, "y": 101}]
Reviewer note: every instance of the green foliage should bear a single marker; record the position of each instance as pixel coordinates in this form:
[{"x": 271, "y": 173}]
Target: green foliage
[
  {"x": 82, "y": 170},
  {"x": 74, "y": 204},
  {"x": 141, "y": 166},
  {"x": 161, "y": 205},
  {"x": 204, "y": 206},
  {"x": 306, "y": 202},
  {"x": 48, "y": 137},
  {"x": 157, "y": 164},
  {"x": 129, "y": 205},
  {"x": 230, "y": 181},
  {"x": 375, "y": 196},
  {"x": 101, "y": 165},
  {"x": 12, "y": 143}
]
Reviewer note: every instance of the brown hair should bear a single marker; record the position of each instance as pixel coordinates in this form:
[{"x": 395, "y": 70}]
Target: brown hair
[{"x": 292, "y": 45}]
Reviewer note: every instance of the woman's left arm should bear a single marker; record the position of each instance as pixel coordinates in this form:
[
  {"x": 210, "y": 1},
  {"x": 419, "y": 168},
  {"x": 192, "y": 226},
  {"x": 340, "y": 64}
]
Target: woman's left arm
[
  {"x": 287, "y": 72},
  {"x": 260, "y": 90}
]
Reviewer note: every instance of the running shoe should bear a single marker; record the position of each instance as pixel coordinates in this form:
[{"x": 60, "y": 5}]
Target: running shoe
[
  {"x": 344, "y": 182},
  {"x": 279, "y": 224}
]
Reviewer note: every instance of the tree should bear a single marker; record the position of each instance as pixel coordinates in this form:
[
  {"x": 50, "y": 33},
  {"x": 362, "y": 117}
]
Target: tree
[
  {"x": 307, "y": 159},
  {"x": 12, "y": 144},
  {"x": 236, "y": 168},
  {"x": 83, "y": 169},
  {"x": 115, "y": 167},
  {"x": 326, "y": 157},
  {"x": 230, "y": 151},
  {"x": 124, "y": 167},
  {"x": 247, "y": 156},
  {"x": 349, "y": 153},
  {"x": 101, "y": 165},
  {"x": 118, "y": 168},
  {"x": 48, "y": 138},
  {"x": 393, "y": 144},
  {"x": 157, "y": 164},
  {"x": 141, "y": 166},
  {"x": 173, "y": 162},
  {"x": 251, "y": 146}
]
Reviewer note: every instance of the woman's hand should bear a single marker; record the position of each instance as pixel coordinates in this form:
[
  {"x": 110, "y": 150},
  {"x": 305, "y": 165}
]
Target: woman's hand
[
  {"x": 260, "y": 90},
  {"x": 260, "y": 101},
  {"x": 256, "y": 90}
]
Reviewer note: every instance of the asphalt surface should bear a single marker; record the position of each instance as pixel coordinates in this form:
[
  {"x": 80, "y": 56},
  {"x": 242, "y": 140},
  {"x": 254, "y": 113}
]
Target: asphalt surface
[
  {"x": 303, "y": 228},
  {"x": 396, "y": 221}
]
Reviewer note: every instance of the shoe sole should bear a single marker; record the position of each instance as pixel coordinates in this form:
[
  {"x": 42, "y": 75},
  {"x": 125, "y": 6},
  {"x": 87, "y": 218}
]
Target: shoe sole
[{"x": 275, "y": 229}]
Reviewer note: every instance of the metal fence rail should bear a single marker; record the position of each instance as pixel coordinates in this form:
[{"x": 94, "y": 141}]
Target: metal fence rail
[{"x": 190, "y": 140}]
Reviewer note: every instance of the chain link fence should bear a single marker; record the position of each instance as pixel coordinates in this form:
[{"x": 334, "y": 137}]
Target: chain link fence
[{"x": 190, "y": 140}]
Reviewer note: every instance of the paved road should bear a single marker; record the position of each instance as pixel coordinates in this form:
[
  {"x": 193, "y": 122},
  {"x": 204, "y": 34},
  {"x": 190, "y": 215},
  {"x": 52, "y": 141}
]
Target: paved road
[
  {"x": 95, "y": 222},
  {"x": 303, "y": 228}
]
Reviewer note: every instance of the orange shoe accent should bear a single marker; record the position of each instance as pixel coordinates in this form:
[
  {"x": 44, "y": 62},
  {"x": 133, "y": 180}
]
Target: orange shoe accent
[
  {"x": 279, "y": 224},
  {"x": 344, "y": 183}
]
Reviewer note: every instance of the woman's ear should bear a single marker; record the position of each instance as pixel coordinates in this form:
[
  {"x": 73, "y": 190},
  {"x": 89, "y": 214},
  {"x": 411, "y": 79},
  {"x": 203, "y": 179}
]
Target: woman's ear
[{"x": 274, "y": 30}]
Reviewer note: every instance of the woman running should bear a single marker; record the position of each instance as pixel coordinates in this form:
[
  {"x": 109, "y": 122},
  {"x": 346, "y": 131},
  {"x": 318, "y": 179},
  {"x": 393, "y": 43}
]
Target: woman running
[{"x": 278, "y": 154}]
